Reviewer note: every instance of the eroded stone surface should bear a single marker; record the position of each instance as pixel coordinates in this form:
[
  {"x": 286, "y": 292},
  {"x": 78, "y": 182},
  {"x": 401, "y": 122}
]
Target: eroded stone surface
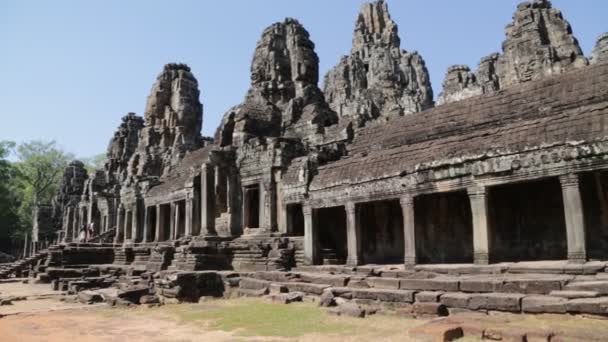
[{"x": 378, "y": 78}]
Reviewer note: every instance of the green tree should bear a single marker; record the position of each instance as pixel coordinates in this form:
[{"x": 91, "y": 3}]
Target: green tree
[
  {"x": 9, "y": 204},
  {"x": 39, "y": 169}
]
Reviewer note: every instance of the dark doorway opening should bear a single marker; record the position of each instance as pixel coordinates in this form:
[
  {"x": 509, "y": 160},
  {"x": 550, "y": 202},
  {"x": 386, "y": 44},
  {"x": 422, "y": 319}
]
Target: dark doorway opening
[
  {"x": 382, "y": 232},
  {"x": 252, "y": 206},
  {"x": 594, "y": 192},
  {"x": 295, "y": 220},
  {"x": 526, "y": 221},
  {"x": 330, "y": 226},
  {"x": 444, "y": 228}
]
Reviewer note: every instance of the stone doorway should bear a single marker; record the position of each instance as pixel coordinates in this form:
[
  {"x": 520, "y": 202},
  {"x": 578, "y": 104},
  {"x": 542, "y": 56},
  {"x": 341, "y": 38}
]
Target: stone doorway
[
  {"x": 526, "y": 221},
  {"x": 330, "y": 227},
  {"x": 295, "y": 220},
  {"x": 180, "y": 219},
  {"x": 381, "y": 232},
  {"x": 129, "y": 225},
  {"x": 151, "y": 224},
  {"x": 165, "y": 222},
  {"x": 252, "y": 206},
  {"x": 594, "y": 193},
  {"x": 444, "y": 228}
]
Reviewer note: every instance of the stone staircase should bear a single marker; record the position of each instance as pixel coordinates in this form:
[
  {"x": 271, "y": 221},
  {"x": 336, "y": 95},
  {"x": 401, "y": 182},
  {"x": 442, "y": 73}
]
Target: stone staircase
[
  {"x": 105, "y": 237},
  {"x": 17, "y": 267},
  {"x": 422, "y": 292}
]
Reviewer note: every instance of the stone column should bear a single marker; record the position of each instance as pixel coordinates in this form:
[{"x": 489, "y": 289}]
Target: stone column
[
  {"x": 310, "y": 238},
  {"x": 268, "y": 215},
  {"x": 284, "y": 225},
  {"x": 75, "y": 227},
  {"x": 208, "y": 200},
  {"x": 479, "y": 210},
  {"x": 119, "y": 226},
  {"x": 575, "y": 223},
  {"x": 172, "y": 224},
  {"x": 134, "y": 223},
  {"x": 177, "y": 224},
  {"x": 188, "y": 218},
  {"x": 409, "y": 230},
  {"x": 353, "y": 235},
  {"x": 147, "y": 224},
  {"x": 159, "y": 218}
]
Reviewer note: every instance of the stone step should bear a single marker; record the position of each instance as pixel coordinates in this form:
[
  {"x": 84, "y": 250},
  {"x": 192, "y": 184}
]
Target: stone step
[
  {"x": 599, "y": 286},
  {"x": 571, "y": 294}
]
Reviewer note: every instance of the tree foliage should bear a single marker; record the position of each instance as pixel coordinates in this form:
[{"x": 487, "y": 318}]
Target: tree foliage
[{"x": 33, "y": 178}]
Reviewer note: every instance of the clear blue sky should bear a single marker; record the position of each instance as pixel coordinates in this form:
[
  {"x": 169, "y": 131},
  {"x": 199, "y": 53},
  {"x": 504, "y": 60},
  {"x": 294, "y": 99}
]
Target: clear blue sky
[{"x": 71, "y": 69}]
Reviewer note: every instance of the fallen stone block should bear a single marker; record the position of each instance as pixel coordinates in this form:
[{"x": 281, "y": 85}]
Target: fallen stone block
[
  {"x": 253, "y": 284},
  {"x": 496, "y": 301},
  {"x": 277, "y": 288},
  {"x": 327, "y": 299},
  {"x": 287, "y": 298},
  {"x": 89, "y": 297},
  {"x": 149, "y": 299},
  {"x": 316, "y": 289},
  {"x": 455, "y": 300},
  {"x": 433, "y": 309},
  {"x": 350, "y": 310},
  {"x": 543, "y": 304}
]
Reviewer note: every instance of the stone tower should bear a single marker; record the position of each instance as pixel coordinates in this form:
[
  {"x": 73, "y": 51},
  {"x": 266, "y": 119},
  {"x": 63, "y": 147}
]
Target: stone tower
[{"x": 378, "y": 78}]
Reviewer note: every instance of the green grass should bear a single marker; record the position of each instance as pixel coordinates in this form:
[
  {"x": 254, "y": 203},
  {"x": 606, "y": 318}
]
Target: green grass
[
  {"x": 251, "y": 317},
  {"x": 258, "y": 317}
]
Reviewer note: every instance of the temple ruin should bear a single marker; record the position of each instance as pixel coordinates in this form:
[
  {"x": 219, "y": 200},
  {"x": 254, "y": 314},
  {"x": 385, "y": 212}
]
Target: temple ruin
[{"x": 494, "y": 198}]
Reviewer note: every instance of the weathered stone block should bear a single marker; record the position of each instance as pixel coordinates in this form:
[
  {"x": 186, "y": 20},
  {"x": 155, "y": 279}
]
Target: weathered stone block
[
  {"x": 435, "y": 309},
  {"x": 316, "y": 289},
  {"x": 543, "y": 304},
  {"x": 455, "y": 300},
  {"x": 435, "y": 284},
  {"x": 496, "y": 301},
  {"x": 253, "y": 284},
  {"x": 598, "y": 306},
  {"x": 428, "y": 296},
  {"x": 383, "y": 283}
]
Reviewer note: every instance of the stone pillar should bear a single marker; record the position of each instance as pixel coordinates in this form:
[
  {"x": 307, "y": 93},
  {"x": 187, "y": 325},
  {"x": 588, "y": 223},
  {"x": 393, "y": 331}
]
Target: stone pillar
[
  {"x": 147, "y": 224},
  {"x": 172, "y": 224},
  {"x": 479, "y": 211},
  {"x": 268, "y": 215},
  {"x": 284, "y": 225},
  {"x": 207, "y": 200},
  {"x": 118, "y": 237},
  {"x": 575, "y": 223},
  {"x": 177, "y": 224},
  {"x": 310, "y": 237},
  {"x": 409, "y": 230},
  {"x": 135, "y": 223},
  {"x": 353, "y": 235},
  {"x": 159, "y": 218},
  {"x": 75, "y": 227},
  {"x": 188, "y": 218}
]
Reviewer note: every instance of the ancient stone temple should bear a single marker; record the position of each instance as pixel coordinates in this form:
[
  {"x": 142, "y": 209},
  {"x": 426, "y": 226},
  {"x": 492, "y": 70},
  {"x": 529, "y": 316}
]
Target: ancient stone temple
[{"x": 365, "y": 187}]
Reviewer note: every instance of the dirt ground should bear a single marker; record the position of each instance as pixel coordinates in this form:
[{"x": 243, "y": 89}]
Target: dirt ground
[{"x": 41, "y": 315}]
